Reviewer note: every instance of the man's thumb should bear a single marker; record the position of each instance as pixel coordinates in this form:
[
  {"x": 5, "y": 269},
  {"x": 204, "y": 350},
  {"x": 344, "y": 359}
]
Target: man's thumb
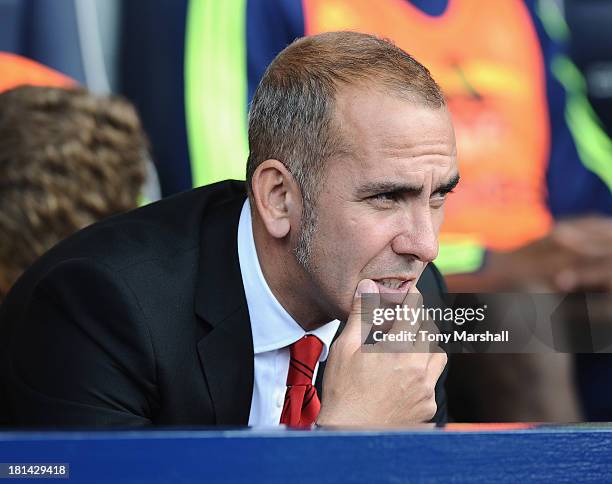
[
  {"x": 365, "y": 289},
  {"x": 365, "y": 286}
]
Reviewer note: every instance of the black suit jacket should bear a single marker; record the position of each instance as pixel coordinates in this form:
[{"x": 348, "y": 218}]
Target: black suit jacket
[{"x": 139, "y": 319}]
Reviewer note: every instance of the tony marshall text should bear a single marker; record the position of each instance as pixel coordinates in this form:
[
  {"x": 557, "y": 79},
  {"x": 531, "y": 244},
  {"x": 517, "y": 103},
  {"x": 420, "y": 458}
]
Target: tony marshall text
[{"x": 455, "y": 336}]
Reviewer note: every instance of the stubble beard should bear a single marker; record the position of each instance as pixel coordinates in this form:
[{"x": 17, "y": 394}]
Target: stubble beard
[
  {"x": 305, "y": 258},
  {"x": 303, "y": 249}
]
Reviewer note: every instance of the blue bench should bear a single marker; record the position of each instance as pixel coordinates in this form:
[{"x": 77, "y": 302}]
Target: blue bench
[{"x": 481, "y": 454}]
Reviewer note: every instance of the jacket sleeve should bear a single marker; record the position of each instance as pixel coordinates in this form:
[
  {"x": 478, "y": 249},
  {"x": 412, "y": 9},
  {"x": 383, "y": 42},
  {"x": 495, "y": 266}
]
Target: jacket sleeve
[{"x": 80, "y": 352}]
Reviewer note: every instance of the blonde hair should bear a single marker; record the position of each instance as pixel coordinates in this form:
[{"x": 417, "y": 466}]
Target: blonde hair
[{"x": 67, "y": 159}]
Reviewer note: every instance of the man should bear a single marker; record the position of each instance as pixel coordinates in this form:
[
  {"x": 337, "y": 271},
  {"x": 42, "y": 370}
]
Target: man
[
  {"x": 67, "y": 159},
  {"x": 203, "y": 309}
]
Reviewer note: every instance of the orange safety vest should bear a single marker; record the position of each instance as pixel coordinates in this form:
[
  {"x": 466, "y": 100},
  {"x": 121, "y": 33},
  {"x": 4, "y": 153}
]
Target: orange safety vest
[
  {"x": 487, "y": 59},
  {"x": 17, "y": 71}
]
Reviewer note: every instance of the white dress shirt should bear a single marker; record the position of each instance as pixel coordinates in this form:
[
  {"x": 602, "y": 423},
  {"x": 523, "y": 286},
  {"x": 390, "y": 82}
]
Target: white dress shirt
[{"x": 273, "y": 331}]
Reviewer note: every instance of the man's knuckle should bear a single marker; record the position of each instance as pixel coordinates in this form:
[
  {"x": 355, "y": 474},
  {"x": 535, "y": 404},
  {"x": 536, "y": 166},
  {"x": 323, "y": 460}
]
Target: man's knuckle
[
  {"x": 431, "y": 410},
  {"x": 419, "y": 369},
  {"x": 429, "y": 389}
]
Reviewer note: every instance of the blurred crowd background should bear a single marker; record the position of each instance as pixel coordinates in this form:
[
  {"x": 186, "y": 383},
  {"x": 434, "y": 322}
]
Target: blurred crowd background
[{"x": 529, "y": 85}]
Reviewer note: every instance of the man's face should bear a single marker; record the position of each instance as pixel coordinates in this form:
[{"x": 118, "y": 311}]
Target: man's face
[{"x": 380, "y": 208}]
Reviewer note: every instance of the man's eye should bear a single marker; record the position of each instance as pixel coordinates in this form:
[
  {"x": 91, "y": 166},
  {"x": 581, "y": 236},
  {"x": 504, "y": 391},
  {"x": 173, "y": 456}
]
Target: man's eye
[
  {"x": 438, "y": 199},
  {"x": 384, "y": 197}
]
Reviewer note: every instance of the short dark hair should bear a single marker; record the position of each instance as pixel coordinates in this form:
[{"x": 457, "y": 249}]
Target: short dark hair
[
  {"x": 67, "y": 158},
  {"x": 291, "y": 116}
]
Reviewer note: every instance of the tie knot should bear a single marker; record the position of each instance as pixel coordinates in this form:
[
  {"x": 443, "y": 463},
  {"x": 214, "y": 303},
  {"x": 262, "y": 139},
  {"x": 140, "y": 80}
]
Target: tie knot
[{"x": 305, "y": 354}]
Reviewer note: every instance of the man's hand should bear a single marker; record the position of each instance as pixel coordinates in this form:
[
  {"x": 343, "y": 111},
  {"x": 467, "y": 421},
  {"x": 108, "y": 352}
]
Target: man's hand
[
  {"x": 575, "y": 256},
  {"x": 590, "y": 239},
  {"x": 378, "y": 388}
]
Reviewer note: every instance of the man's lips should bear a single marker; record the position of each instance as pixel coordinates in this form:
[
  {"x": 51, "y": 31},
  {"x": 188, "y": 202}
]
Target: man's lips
[{"x": 394, "y": 285}]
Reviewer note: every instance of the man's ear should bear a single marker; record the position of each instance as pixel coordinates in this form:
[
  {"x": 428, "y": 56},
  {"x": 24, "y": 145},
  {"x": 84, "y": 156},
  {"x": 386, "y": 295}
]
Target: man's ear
[{"x": 277, "y": 197}]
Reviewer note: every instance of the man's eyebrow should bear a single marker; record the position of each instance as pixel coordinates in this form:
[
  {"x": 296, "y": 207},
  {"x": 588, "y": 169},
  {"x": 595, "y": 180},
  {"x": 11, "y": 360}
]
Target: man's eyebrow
[
  {"x": 373, "y": 188},
  {"x": 449, "y": 185}
]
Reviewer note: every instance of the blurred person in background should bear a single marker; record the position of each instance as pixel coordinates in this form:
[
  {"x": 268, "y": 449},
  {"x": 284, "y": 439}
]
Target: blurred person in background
[
  {"x": 589, "y": 38},
  {"x": 67, "y": 159}
]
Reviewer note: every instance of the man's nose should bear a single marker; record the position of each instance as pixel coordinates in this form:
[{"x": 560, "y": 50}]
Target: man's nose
[{"x": 418, "y": 236}]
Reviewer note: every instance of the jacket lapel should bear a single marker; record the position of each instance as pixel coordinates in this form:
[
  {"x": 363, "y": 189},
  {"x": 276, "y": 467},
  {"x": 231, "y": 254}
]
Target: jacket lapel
[{"x": 225, "y": 346}]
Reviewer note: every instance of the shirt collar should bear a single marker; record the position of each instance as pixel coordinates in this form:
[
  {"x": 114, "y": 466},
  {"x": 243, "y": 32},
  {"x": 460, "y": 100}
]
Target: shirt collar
[{"x": 271, "y": 325}]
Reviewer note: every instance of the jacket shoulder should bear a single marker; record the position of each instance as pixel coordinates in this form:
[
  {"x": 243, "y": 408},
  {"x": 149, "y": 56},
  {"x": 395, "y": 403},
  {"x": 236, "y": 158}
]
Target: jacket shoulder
[{"x": 161, "y": 229}]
